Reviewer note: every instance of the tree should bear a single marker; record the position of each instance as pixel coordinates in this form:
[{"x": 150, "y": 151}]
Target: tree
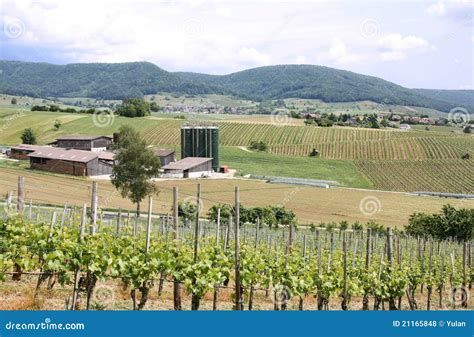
[
  {"x": 451, "y": 222},
  {"x": 28, "y": 136},
  {"x": 154, "y": 107},
  {"x": 467, "y": 129},
  {"x": 187, "y": 210},
  {"x": 226, "y": 212},
  {"x": 14, "y": 101},
  {"x": 384, "y": 122},
  {"x": 134, "y": 107},
  {"x": 135, "y": 165},
  {"x": 57, "y": 124}
]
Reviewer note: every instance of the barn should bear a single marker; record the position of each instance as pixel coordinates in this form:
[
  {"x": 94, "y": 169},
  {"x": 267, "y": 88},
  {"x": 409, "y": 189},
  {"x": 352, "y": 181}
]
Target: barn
[
  {"x": 74, "y": 162},
  {"x": 84, "y": 142},
  {"x": 166, "y": 156},
  {"x": 189, "y": 167},
  {"x": 22, "y": 151}
]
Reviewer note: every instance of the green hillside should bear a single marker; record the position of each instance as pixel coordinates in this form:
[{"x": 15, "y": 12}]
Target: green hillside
[
  {"x": 329, "y": 85},
  {"x": 121, "y": 80},
  {"x": 96, "y": 80},
  {"x": 464, "y": 98}
]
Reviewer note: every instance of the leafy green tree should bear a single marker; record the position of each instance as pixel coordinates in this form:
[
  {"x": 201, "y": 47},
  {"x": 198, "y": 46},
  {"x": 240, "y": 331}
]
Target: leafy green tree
[
  {"x": 28, "y": 136},
  {"x": 226, "y": 212},
  {"x": 187, "y": 210},
  {"x": 57, "y": 124},
  {"x": 450, "y": 222},
  {"x": 154, "y": 107},
  {"x": 54, "y": 108},
  {"x": 135, "y": 165},
  {"x": 14, "y": 101},
  {"x": 134, "y": 107}
]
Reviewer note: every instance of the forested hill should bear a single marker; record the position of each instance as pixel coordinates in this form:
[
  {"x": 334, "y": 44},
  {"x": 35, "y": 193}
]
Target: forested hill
[
  {"x": 96, "y": 80},
  {"x": 329, "y": 85},
  {"x": 120, "y": 80}
]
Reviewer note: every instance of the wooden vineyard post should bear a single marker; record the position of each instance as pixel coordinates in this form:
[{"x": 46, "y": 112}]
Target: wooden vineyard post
[
  {"x": 94, "y": 207},
  {"x": 238, "y": 289},
  {"x": 76, "y": 274},
  {"x": 63, "y": 216},
  {"x": 194, "y": 298},
  {"x": 318, "y": 242},
  {"x": 20, "y": 205},
  {"x": 51, "y": 226},
  {"x": 290, "y": 236},
  {"x": 365, "y": 300},
  {"x": 216, "y": 286},
  {"x": 344, "y": 262},
  {"x": 391, "y": 300},
  {"x": 227, "y": 233},
  {"x": 429, "y": 286},
  {"x": 469, "y": 263},
  {"x": 148, "y": 224},
  {"x": 331, "y": 251},
  {"x": 30, "y": 209},
  {"x": 144, "y": 288},
  {"x": 176, "y": 282},
  {"x": 218, "y": 226},
  {"x": 119, "y": 222},
  {"x": 464, "y": 273}
]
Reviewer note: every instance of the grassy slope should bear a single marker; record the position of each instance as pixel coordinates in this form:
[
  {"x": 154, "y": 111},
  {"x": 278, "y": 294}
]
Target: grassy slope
[{"x": 345, "y": 172}]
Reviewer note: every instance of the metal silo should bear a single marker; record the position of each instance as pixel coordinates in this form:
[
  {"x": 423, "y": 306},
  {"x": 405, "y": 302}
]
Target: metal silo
[
  {"x": 200, "y": 141},
  {"x": 186, "y": 142},
  {"x": 214, "y": 146}
]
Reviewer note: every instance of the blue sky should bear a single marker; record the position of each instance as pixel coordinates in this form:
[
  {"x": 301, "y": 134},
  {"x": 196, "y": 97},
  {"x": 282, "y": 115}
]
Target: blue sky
[{"x": 425, "y": 44}]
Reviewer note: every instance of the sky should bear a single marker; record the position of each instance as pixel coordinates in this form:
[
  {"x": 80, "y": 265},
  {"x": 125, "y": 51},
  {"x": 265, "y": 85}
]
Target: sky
[{"x": 417, "y": 44}]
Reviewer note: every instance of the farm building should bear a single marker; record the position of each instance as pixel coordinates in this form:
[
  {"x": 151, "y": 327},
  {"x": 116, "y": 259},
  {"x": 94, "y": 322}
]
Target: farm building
[
  {"x": 74, "y": 162},
  {"x": 200, "y": 141},
  {"x": 22, "y": 151},
  {"x": 405, "y": 127},
  {"x": 166, "y": 156},
  {"x": 84, "y": 142},
  {"x": 189, "y": 167}
]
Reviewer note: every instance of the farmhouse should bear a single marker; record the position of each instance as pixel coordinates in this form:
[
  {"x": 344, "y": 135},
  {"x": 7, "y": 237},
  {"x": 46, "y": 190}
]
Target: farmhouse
[
  {"x": 189, "y": 167},
  {"x": 74, "y": 162},
  {"x": 166, "y": 156},
  {"x": 22, "y": 151},
  {"x": 84, "y": 142},
  {"x": 405, "y": 127}
]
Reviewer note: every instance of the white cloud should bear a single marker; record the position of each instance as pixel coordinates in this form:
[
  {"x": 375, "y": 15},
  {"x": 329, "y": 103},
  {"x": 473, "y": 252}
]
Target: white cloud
[
  {"x": 460, "y": 10},
  {"x": 392, "y": 56},
  {"x": 339, "y": 54},
  {"x": 400, "y": 43},
  {"x": 437, "y": 8},
  {"x": 395, "y": 47},
  {"x": 253, "y": 57}
]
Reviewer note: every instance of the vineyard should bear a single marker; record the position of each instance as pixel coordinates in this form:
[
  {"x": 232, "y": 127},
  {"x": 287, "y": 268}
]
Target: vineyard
[
  {"x": 356, "y": 157},
  {"x": 84, "y": 253},
  {"x": 332, "y": 143},
  {"x": 412, "y": 175}
]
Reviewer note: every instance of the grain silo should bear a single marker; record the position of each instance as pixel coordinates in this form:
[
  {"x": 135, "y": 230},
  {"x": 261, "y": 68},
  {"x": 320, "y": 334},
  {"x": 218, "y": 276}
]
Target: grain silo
[{"x": 200, "y": 141}]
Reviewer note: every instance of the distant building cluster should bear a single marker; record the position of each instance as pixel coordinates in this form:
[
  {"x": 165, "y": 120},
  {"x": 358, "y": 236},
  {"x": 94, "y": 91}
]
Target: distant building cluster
[{"x": 84, "y": 155}]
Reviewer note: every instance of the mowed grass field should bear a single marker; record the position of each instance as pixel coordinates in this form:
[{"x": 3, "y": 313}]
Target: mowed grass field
[
  {"x": 384, "y": 159},
  {"x": 311, "y": 205}
]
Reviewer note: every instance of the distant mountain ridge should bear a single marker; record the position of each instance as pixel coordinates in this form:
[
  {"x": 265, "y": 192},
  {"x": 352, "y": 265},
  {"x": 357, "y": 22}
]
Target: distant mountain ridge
[{"x": 132, "y": 79}]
